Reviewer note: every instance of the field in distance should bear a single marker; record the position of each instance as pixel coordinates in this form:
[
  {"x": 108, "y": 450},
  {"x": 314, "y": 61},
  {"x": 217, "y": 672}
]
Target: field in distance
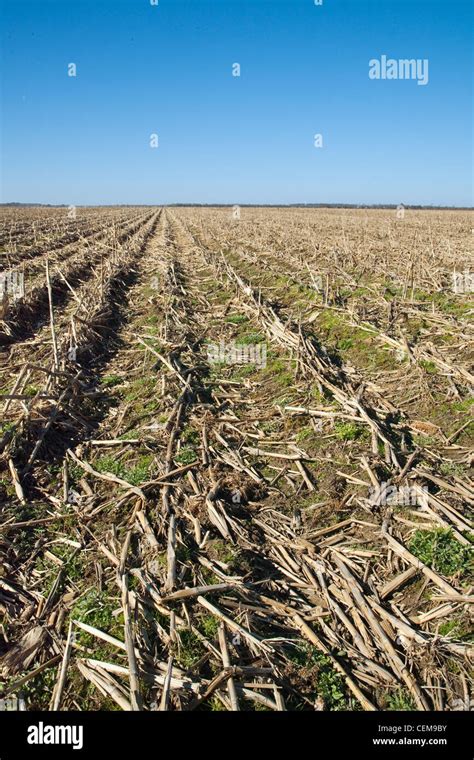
[{"x": 236, "y": 451}]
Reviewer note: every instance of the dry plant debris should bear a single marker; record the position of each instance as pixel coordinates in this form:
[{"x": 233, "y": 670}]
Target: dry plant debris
[{"x": 290, "y": 529}]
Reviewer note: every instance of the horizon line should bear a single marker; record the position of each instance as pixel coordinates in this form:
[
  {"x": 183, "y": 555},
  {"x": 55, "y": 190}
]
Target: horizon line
[{"x": 417, "y": 206}]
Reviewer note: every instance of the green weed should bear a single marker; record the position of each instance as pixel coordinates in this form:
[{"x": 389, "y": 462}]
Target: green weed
[{"x": 440, "y": 550}]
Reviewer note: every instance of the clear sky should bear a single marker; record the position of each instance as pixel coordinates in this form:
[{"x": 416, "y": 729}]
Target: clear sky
[{"x": 166, "y": 69}]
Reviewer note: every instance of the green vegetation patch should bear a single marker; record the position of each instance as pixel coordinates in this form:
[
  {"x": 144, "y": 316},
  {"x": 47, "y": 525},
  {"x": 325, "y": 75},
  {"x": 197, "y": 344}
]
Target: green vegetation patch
[
  {"x": 328, "y": 682},
  {"x": 111, "y": 380},
  {"x": 441, "y": 551},
  {"x": 349, "y": 431},
  {"x": 135, "y": 474},
  {"x": 186, "y": 455},
  {"x": 190, "y": 649},
  {"x": 237, "y": 319},
  {"x": 95, "y": 609},
  {"x": 400, "y": 700}
]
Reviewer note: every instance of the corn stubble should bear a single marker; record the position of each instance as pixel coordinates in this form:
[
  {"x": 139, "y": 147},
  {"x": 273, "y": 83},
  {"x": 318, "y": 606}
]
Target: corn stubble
[{"x": 184, "y": 534}]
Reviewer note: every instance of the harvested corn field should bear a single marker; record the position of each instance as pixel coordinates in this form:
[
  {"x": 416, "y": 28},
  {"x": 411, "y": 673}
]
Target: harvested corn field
[{"x": 236, "y": 459}]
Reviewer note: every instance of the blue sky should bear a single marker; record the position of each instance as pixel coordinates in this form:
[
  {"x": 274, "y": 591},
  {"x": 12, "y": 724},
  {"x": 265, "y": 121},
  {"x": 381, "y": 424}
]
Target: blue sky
[{"x": 167, "y": 69}]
